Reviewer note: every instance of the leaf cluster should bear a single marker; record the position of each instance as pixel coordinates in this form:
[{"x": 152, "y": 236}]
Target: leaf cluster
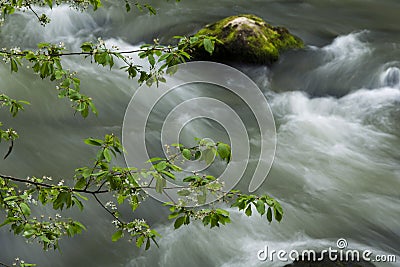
[{"x": 23, "y": 199}]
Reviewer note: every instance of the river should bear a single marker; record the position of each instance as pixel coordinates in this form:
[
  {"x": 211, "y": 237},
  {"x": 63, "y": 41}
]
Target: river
[{"x": 336, "y": 106}]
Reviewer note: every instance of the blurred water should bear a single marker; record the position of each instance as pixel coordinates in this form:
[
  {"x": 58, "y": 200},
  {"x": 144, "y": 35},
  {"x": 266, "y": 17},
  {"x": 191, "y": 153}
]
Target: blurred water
[{"x": 336, "y": 106}]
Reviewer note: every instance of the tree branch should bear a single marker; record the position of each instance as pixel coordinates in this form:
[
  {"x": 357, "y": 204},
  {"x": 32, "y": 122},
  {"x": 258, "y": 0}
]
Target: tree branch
[
  {"x": 34, "y": 12},
  {"x": 15, "y": 179},
  {"x": 10, "y": 147},
  {"x": 5, "y": 265},
  {"x": 104, "y": 207},
  {"x": 163, "y": 49}
]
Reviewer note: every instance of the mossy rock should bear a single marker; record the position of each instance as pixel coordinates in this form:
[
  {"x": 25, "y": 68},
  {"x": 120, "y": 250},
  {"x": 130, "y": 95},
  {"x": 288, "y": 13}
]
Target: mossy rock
[{"x": 248, "y": 39}]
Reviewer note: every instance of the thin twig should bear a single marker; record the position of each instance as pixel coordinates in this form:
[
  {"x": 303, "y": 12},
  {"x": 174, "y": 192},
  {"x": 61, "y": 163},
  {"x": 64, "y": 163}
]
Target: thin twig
[
  {"x": 169, "y": 197},
  {"x": 34, "y": 12},
  {"x": 5, "y": 265},
  {"x": 15, "y": 179},
  {"x": 105, "y": 208},
  {"x": 10, "y": 147},
  {"x": 90, "y": 53},
  {"x": 99, "y": 189}
]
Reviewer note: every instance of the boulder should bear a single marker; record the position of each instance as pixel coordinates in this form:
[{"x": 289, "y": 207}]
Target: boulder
[{"x": 247, "y": 39}]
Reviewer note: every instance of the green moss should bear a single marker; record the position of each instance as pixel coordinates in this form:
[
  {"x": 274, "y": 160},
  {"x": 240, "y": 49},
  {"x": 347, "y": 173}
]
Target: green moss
[{"x": 248, "y": 38}]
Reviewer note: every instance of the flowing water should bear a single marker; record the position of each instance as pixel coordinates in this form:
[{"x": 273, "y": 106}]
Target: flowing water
[{"x": 336, "y": 105}]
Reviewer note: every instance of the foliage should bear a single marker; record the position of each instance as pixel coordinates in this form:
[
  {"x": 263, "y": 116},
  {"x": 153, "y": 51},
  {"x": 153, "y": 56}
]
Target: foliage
[
  {"x": 22, "y": 199},
  {"x": 10, "y": 134},
  {"x": 126, "y": 185}
]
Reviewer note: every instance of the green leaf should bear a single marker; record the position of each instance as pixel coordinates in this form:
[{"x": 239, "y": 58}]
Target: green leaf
[
  {"x": 42, "y": 197},
  {"x": 139, "y": 6},
  {"x": 95, "y": 3},
  {"x": 147, "y": 244},
  {"x": 49, "y": 3},
  {"x": 107, "y": 154},
  {"x": 134, "y": 203},
  {"x": 178, "y": 222},
  {"x": 18, "y": 228},
  {"x": 110, "y": 60},
  {"x": 192, "y": 39},
  {"x": 115, "y": 182},
  {"x": 183, "y": 192},
  {"x": 121, "y": 199},
  {"x": 174, "y": 167},
  {"x": 81, "y": 226},
  {"x": 206, "y": 220},
  {"x": 29, "y": 233},
  {"x": 77, "y": 202},
  {"x": 248, "y": 211},
  {"x": 36, "y": 67},
  {"x": 139, "y": 241},
  {"x": 80, "y": 184},
  {"x": 190, "y": 179},
  {"x": 62, "y": 198},
  {"x": 172, "y": 69},
  {"x": 170, "y": 175},
  {"x": 201, "y": 199},
  {"x": 269, "y": 214},
  {"x": 208, "y": 156},
  {"x": 160, "y": 166},
  {"x": 152, "y": 61},
  {"x": 186, "y": 154},
  {"x": 93, "y": 107},
  {"x": 10, "y": 198},
  {"x": 9, "y": 220},
  {"x": 93, "y": 142},
  {"x": 208, "y": 45},
  {"x": 260, "y": 207},
  {"x": 278, "y": 213},
  {"x": 127, "y": 7},
  {"x": 101, "y": 58},
  {"x": 14, "y": 66},
  {"x": 43, "y": 45},
  {"x": 80, "y": 196},
  {"x": 278, "y": 208},
  {"x": 45, "y": 239},
  {"x": 132, "y": 71},
  {"x": 87, "y": 47},
  {"x": 224, "y": 150},
  {"x": 210, "y": 178},
  {"x": 154, "y": 159},
  {"x": 8, "y": 9},
  {"x": 160, "y": 184},
  {"x": 30, "y": 55},
  {"x": 173, "y": 215},
  {"x": 164, "y": 57},
  {"x": 151, "y": 9},
  {"x": 117, "y": 235},
  {"x": 187, "y": 219},
  {"x": 214, "y": 221},
  {"x": 223, "y": 219},
  {"x": 59, "y": 74},
  {"x": 24, "y": 102},
  {"x": 197, "y": 155},
  {"x": 25, "y": 209},
  {"x": 177, "y": 145}
]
